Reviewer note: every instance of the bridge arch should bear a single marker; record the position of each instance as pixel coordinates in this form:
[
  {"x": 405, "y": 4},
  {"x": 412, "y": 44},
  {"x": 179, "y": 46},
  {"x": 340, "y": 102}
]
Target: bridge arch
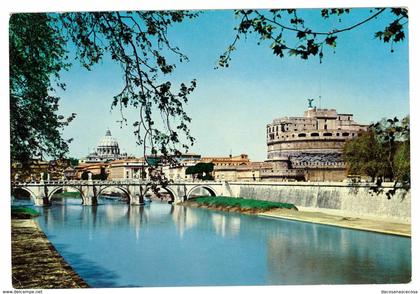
[
  {"x": 209, "y": 189},
  {"x": 32, "y": 195},
  {"x": 170, "y": 191},
  {"x": 56, "y": 189},
  {"x": 122, "y": 189}
]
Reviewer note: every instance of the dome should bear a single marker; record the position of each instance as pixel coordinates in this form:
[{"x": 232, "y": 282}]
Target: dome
[{"x": 108, "y": 140}]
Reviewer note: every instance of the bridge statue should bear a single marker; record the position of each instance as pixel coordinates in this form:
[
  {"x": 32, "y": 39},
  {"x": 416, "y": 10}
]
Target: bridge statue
[{"x": 90, "y": 190}]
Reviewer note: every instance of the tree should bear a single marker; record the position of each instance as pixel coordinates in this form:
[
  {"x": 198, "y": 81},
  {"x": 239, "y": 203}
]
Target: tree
[
  {"x": 73, "y": 161},
  {"x": 287, "y": 32},
  {"x": 136, "y": 40},
  {"x": 201, "y": 170},
  {"x": 383, "y": 152},
  {"x": 37, "y": 55},
  {"x": 365, "y": 156}
]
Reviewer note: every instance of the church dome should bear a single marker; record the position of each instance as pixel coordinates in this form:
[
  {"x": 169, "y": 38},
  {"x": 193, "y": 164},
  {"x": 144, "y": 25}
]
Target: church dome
[{"x": 108, "y": 140}]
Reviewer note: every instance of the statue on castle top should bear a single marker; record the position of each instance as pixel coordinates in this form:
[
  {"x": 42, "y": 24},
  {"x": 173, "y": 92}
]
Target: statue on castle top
[{"x": 310, "y": 103}]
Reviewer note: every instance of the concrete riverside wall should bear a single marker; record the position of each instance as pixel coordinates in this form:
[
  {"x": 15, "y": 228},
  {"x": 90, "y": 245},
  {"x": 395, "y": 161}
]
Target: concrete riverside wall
[{"x": 335, "y": 198}]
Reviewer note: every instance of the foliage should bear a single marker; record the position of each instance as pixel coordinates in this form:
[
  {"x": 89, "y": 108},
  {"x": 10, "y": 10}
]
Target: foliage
[
  {"x": 67, "y": 195},
  {"x": 202, "y": 170},
  {"x": 383, "y": 152},
  {"x": 365, "y": 155},
  {"x": 137, "y": 41},
  {"x": 287, "y": 32},
  {"x": 102, "y": 176},
  {"x": 73, "y": 161},
  {"x": 243, "y": 203},
  {"x": 37, "y": 55},
  {"x": 22, "y": 212}
]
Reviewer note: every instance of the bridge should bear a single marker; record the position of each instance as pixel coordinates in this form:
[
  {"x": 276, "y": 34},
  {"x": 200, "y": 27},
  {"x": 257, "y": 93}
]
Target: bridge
[{"x": 134, "y": 189}]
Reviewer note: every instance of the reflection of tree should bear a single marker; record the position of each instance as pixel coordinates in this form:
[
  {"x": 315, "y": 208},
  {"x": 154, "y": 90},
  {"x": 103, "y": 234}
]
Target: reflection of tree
[{"x": 312, "y": 254}]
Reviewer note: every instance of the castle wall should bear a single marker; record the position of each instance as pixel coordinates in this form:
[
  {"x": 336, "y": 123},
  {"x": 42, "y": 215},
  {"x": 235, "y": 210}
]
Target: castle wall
[{"x": 325, "y": 175}]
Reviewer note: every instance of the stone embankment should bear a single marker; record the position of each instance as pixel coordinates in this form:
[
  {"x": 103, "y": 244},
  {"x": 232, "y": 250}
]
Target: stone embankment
[
  {"x": 377, "y": 226},
  {"x": 35, "y": 262}
]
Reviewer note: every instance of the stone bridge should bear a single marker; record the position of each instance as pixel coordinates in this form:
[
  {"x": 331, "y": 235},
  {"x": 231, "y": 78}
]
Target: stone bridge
[{"x": 134, "y": 189}]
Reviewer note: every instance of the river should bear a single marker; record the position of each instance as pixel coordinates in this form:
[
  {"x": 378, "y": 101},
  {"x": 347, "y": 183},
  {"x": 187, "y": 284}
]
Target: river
[{"x": 117, "y": 245}]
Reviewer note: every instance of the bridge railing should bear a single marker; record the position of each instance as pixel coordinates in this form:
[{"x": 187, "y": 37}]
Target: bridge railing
[{"x": 104, "y": 182}]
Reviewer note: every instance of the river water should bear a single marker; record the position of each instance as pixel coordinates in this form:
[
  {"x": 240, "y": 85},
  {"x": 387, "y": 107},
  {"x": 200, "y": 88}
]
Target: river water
[{"x": 117, "y": 245}]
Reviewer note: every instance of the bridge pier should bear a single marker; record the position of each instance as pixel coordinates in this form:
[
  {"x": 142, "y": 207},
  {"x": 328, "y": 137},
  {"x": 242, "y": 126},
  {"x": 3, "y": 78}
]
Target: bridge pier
[
  {"x": 41, "y": 201},
  {"x": 89, "y": 193},
  {"x": 135, "y": 195},
  {"x": 136, "y": 200},
  {"x": 90, "y": 201},
  {"x": 41, "y": 195}
]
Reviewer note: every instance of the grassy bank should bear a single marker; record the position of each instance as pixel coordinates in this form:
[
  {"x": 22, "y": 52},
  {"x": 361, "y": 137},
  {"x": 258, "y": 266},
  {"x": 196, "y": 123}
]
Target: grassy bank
[
  {"x": 239, "y": 204},
  {"x": 22, "y": 212},
  {"x": 67, "y": 195}
]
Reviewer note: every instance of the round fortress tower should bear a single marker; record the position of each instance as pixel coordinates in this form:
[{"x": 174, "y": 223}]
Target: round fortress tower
[{"x": 319, "y": 135}]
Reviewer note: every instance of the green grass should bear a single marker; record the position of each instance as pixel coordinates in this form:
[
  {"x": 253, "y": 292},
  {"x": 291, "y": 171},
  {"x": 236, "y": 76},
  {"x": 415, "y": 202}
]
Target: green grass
[
  {"x": 243, "y": 203},
  {"x": 23, "y": 212},
  {"x": 67, "y": 195}
]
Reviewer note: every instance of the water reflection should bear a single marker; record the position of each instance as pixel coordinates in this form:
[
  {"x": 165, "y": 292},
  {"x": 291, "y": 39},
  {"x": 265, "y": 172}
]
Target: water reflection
[
  {"x": 190, "y": 246},
  {"x": 329, "y": 256}
]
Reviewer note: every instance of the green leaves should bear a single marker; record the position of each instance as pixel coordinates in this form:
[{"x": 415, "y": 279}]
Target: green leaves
[
  {"x": 139, "y": 42},
  {"x": 381, "y": 152},
  {"x": 286, "y": 30},
  {"x": 37, "y": 56},
  {"x": 331, "y": 41},
  {"x": 202, "y": 170}
]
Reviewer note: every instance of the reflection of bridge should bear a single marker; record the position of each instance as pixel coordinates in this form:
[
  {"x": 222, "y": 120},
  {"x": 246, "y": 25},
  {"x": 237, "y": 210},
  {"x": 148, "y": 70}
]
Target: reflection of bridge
[{"x": 135, "y": 190}]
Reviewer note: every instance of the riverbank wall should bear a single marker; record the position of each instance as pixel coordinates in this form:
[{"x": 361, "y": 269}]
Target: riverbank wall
[{"x": 337, "y": 198}]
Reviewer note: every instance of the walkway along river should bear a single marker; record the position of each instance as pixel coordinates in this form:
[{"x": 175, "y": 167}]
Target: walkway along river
[{"x": 117, "y": 245}]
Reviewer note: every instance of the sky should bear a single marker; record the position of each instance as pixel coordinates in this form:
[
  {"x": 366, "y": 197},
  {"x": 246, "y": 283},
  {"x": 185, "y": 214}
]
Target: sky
[{"x": 231, "y": 107}]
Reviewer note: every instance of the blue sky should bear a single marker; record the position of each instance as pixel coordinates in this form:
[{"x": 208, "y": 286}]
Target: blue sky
[{"x": 231, "y": 107}]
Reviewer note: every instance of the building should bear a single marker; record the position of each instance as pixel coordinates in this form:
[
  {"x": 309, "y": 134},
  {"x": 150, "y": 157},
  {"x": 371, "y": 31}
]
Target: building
[
  {"x": 99, "y": 170},
  {"x": 107, "y": 150},
  {"x": 310, "y": 146},
  {"x": 133, "y": 168},
  {"x": 251, "y": 172},
  {"x": 227, "y": 160},
  {"x": 51, "y": 170},
  {"x": 225, "y": 168}
]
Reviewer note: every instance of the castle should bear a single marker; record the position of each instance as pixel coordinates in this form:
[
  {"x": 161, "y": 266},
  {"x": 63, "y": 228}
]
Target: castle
[{"x": 309, "y": 147}]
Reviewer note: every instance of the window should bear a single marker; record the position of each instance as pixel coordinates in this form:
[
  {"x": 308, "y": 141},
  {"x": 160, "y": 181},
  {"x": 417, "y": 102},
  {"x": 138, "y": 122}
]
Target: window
[
  {"x": 314, "y": 135},
  {"x": 302, "y": 135},
  {"x": 327, "y": 135},
  {"x": 345, "y": 134}
]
